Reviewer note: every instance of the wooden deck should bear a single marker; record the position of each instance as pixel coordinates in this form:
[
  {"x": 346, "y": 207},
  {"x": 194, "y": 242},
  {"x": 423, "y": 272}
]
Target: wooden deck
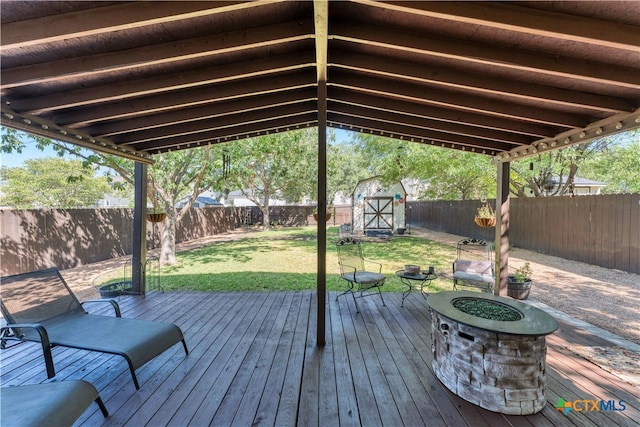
[{"x": 253, "y": 361}]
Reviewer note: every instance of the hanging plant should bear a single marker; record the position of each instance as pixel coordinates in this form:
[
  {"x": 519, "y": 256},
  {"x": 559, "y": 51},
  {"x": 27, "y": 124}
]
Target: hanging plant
[
  {"x": 156, "y": 215},
  {"x": 485, "y": 217}
]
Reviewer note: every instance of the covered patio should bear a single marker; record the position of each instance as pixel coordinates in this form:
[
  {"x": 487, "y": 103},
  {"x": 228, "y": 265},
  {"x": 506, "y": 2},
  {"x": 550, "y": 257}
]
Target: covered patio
[
  {"x": 507, "y": 80},
  {"x": 253, "y": 361}
]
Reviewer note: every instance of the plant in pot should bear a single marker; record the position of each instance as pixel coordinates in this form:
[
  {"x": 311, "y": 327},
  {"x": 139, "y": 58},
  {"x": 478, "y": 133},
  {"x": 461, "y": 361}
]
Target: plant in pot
[
  {"x": 156, "y": 214},
  {"x": 329, "y": 210},
  {"x": 519, "y": 283},
  {"x": 485, "y": 216}
]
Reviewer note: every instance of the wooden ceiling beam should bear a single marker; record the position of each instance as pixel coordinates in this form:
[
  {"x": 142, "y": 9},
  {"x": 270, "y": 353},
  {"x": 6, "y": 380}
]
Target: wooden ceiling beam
[
  {"x": 165, "y": 84},
  {"x": 449, "y": 99},
  {"x": 159, "y": 103},
  {"x": 495, "y": 56},
  {"x": 108, "y": 19},
  {"x": 205, "y": 112},
  {"x": 517, "y": 90},
  {"x": 430, "y": 112},
  {"x": 239, "y": 131},
  {"x": 439, "y": 127},
  {"x": 195, "y": 127},
  {"x": 525, "y": 20},
  {"x": 364, "y": 125},
  {"x": 183, "y": 50}
]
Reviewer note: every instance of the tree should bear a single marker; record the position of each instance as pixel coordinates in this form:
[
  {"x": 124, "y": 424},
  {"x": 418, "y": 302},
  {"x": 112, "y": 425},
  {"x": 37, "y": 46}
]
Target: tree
[
  {"x": 450, "y": 174},
  {"x": 346, "y": 166},
  {"x": 51, "y": 183},
  {"x": 552, "y": 173},
  {"x": 173, "y": 177},
  {"x": 278, "y": 165},
  {"x": 618, "y": 166}
]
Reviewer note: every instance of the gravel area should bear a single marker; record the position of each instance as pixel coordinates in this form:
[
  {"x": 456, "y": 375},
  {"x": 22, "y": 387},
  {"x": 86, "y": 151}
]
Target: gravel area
[{"x": 604, "y": 297}]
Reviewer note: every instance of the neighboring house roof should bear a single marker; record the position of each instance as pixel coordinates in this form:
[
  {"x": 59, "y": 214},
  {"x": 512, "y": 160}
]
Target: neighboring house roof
[
  {"x": 200, "y": 202},
  {"x": 577, "y": 181}
]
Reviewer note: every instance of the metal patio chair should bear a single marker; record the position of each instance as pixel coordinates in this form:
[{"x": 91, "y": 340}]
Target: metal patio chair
[
  {"x": 473, "y": 266},
  {"x": 353, "y": 270},
  {"x": 39, "y": 306}
]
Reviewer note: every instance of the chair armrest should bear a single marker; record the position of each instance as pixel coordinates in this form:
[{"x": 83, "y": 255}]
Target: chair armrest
[
  {"x": 344, "y": 267},
  {"x": 44, "y": 340},
  {"x": 114, "y": 304},
  {"x": 373, "y": 262}
]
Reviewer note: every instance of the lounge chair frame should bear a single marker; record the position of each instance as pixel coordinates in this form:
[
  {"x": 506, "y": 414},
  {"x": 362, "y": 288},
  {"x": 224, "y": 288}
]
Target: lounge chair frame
[{"x": 40, "y": 307}]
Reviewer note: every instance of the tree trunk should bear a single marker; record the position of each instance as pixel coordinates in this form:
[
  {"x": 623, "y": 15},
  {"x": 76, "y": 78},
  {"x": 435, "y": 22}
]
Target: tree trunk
[
  {"x": 266, "y": 223},
  {"x": 168, "y": 247}
]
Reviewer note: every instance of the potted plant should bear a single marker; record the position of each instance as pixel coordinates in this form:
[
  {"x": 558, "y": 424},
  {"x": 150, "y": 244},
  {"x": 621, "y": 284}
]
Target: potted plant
[
  {"x": 156, "y": 215},
  {"x": 519, "y": 283},
  {"x": 329, "y": 210},
  {"x": 485, "y": 217}
]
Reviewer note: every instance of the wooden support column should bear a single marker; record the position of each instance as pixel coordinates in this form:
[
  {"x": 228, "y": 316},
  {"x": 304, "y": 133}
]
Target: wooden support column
[
  {"x": 502, "y": 230},
  {"x": 322, "y": 214},
  {"x": 139, "y": 249},
  {"x": 321, "y": 24}
]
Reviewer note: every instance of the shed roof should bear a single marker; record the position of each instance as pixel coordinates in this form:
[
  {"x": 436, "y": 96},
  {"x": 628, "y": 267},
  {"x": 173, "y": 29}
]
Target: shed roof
[{"x": 505, "y": 79}]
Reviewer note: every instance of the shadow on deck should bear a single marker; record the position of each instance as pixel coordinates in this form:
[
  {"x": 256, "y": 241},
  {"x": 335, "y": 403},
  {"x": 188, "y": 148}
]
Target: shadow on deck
[{"x": 253, "y": 361}]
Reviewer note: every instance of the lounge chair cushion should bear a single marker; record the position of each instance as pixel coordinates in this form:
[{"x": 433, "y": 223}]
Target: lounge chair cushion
[
  {"x": 50, "y": 404},
  {"x": 139, "y": 340}
]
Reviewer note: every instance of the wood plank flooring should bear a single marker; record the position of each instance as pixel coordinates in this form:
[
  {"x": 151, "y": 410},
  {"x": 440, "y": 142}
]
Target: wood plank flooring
[{"x": 253, "y": 361}]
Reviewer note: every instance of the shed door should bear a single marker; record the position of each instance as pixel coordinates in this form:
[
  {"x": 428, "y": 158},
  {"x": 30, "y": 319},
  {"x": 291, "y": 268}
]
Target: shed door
[{"x": 378, "y": 213}]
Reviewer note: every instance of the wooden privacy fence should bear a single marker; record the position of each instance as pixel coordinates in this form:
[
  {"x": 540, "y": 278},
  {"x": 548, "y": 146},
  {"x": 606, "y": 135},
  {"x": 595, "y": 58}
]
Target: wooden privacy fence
[
  {"x": 43, "y": 238},
  {"x": 66, "y": 238},
  {"x": 601, "y": 230}
]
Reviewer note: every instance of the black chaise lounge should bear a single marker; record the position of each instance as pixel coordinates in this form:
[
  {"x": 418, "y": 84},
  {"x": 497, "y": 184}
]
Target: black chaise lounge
[
  {"x": 50, "y": 404},
  {"x": 39, "y": 306}
]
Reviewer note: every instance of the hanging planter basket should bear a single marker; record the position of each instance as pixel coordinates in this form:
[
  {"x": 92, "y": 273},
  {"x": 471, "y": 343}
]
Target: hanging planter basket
[
  {"x": 156, "y": 217},
  {"x": 315, "y": 216},
  {"x": 485, "y": 222}
]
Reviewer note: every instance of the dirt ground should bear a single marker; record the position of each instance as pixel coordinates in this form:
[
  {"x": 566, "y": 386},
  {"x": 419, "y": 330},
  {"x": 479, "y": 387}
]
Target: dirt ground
[{"x": 603, "y": 297}]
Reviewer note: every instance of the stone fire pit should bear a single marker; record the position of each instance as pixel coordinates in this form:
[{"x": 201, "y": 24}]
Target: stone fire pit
[{"x": 498, "y": 365}]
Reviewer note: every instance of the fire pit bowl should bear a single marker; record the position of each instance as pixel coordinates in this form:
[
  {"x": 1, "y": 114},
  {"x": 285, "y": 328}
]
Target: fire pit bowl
[{"x": 490, "y": 350}]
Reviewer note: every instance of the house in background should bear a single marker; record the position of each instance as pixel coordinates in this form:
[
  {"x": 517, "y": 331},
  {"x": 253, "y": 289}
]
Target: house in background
[{"x": 581, "y": 186}]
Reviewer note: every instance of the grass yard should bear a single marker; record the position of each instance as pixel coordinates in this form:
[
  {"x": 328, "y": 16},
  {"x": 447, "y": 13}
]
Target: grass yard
[{"x": 285, "y": 259}]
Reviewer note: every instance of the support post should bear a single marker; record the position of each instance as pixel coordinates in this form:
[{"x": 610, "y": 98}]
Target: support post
[
  {"x": 502, "y": 230},
  {"x": 321, "y": 23},
  {"x": 322, "y": 213},
  {"x": 139, "y": 250}
]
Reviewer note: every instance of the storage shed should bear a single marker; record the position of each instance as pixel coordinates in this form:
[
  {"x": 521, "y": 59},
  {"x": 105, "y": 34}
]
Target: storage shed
[{"x": 378, "y": 208}]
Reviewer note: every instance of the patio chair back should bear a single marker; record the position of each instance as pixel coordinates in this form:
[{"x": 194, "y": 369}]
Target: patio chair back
[
  {"x": 350, "y": 256},
  {"x": 36, "y": 297}
]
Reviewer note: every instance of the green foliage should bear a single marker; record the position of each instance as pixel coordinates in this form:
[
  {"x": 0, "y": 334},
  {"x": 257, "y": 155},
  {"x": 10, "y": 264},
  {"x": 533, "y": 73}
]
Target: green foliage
[
  {"x": 51, "y": 183},
  {"x": 618, "y": 166},
  {"x": 523, "y": 273},
  {"x": 448, "y": 174},
  {"x": 280, "y": 165},
  {"x": 285, "y": 259},
  {"x": 613, "y": 160},
  {"x": 485, "y": 211}
]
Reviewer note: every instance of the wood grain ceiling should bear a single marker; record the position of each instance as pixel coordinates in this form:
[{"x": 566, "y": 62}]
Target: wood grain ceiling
[{"x": 504, "y": 79}]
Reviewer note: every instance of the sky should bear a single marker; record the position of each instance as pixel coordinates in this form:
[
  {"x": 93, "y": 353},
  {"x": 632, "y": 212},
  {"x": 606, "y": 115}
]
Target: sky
[{"x": 30, "y": 151}]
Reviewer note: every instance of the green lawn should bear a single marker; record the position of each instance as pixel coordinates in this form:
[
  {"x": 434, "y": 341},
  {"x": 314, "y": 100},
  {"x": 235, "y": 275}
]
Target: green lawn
[{"x": 285, "y": 259}]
